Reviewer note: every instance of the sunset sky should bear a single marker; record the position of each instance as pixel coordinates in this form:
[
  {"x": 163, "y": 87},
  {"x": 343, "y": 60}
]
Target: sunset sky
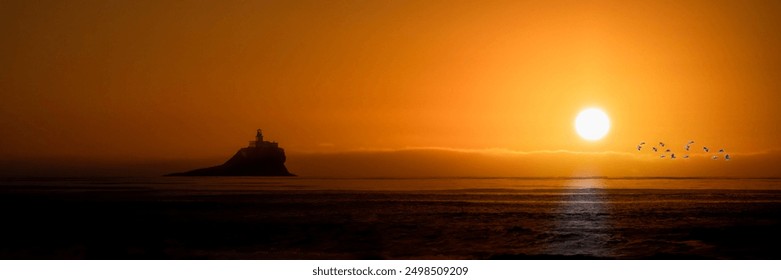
[{"x": 393, "y": 88}]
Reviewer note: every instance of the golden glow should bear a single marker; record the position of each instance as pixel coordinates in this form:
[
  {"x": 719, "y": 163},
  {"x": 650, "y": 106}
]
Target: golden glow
[
  {"x": 171, "y": 80},
  {"x": 592, "y": 124}
]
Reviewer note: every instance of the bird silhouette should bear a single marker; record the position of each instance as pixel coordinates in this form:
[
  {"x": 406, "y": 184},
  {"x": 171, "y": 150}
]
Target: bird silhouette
[{"x": 687, "y": 147}]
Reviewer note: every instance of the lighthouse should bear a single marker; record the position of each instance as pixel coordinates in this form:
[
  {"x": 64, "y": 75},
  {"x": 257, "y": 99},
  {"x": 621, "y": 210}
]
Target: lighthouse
[
  {"x": 261, "y": 158},
  {"x": 259, "y": 136},
  {"x": 259, "y": 143}
]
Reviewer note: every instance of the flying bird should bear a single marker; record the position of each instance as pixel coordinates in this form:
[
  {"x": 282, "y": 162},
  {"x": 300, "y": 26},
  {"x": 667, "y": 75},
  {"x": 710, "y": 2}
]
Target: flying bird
[
  {"x": 661, "y": 144},
  {"x": 654, "y": 149},
  {"x": 672, "y": 156},
  {"x": 688, "y": 145},
  {"x": 662, "y": 156},
  {"x": 705, "y": 149},
  {"x": 721, "y": 151},
  {"x": 715, "y": 157},
  {"x": 638, "y": 147},
  {"x": 685, "y": 156},
  {"x": 667, "y": 151},
  {"x": 726, "y": 157},
  {"x": 642, "y": 143}
]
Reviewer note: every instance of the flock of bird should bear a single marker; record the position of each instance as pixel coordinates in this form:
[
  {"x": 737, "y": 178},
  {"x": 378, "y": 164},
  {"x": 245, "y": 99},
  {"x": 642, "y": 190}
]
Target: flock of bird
[{"x": 687, "y": 147}]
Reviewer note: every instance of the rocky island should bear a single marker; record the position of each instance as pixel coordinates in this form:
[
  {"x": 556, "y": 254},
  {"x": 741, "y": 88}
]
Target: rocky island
[{"x": 260, "y": 158}]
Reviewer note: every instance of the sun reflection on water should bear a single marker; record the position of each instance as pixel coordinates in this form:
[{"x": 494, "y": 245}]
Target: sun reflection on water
[{"x": 582, "y": 223}]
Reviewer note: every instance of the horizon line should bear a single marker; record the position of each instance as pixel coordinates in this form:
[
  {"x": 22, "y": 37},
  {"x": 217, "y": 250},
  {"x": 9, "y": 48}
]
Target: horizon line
[{"x": 421, "y": 177}]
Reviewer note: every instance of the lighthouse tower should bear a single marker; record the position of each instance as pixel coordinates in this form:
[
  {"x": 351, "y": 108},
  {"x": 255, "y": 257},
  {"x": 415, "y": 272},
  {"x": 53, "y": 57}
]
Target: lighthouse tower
[{"x": 259, "y": 143}]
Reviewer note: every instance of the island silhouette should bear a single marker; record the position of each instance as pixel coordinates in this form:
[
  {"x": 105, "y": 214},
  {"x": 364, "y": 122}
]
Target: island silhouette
[{"x": 260, "y": 158}]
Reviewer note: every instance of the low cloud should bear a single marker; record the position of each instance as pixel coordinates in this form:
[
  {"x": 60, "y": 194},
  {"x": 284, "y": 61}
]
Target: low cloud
[
  {"x": 432, "y": 162},
  {"x": 447, "y": 162}
]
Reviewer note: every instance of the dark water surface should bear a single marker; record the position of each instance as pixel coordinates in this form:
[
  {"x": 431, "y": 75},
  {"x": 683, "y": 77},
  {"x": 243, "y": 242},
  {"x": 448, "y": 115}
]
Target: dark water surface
[{"x": 300, "y": 218}]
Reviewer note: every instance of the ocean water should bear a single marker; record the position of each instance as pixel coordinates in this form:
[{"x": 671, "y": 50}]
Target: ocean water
[{"x": 428, "y": 218}]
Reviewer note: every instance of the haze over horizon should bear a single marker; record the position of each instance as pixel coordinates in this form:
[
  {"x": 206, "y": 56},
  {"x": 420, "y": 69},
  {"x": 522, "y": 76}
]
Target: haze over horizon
[{"x": 390, "y": 88}]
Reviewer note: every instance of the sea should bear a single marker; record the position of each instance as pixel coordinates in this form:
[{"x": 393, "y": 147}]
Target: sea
[{"x": 389, "y": 218}]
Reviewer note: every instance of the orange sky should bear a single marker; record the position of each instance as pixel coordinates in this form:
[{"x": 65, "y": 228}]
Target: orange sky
[{"x": 166, "y": 80}]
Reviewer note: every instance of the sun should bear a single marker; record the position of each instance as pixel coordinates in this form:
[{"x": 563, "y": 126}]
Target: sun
[{"x": 592, "y": 124}]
